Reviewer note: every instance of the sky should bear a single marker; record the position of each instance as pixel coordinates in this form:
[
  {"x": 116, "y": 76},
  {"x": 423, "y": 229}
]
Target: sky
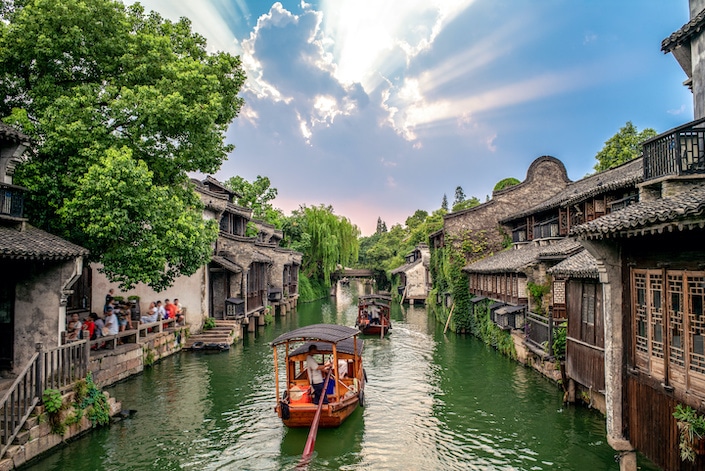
[{"x": 379, "y": 108}]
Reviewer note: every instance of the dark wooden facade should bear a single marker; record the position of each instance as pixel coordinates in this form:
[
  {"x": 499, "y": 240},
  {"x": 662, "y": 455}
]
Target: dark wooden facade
[
  {"x": 665, "y": 305},
  {"x": 509, "y": 288},
  {"x": 585, "y": 343}
]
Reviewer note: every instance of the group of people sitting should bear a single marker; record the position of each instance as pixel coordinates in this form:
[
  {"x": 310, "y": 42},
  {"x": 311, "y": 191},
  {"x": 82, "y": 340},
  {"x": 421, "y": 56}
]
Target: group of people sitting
[{"x": 118, "y": 317}]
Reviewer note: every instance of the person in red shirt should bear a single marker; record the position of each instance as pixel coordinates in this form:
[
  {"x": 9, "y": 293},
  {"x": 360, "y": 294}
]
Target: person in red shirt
[
  {"x": 170, "y": 309},
  {"x": 88, "y": 328}
]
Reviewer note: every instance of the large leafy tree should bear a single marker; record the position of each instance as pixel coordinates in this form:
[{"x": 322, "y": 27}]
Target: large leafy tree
[
  {"x": 325, "y": 239},
  {"x": 622, "y": 147},
  {"x": 257, "y": 195},
  {"x": 121, "y": 105}
]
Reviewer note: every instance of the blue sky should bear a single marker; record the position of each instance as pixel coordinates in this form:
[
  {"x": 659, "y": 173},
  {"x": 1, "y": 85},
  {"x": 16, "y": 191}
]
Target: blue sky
[{"x": 380, "y": 107}]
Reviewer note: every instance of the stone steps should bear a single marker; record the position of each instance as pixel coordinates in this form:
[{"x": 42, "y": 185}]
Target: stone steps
[{"x": 222, "y": 334}]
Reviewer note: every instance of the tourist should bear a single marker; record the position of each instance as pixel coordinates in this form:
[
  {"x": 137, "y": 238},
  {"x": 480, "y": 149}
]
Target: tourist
[
  {"x": 170, "y": 309},
  {"x": 161, "y": 313},
  {"x": 180, "y": 318},
  {"x": 89, "y": 328},
  {"x": 109, "y": 298},
  {"x": 99, "y": 330},
  {"x": 152, "y": 314},
  {"x": 73, "y": 330},
  {"x": 315, "y": 375},
  {"x": 111, "y": 322}
]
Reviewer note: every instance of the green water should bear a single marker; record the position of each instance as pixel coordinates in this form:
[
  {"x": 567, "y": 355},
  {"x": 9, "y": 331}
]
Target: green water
[{"x": 433, "y": 402}]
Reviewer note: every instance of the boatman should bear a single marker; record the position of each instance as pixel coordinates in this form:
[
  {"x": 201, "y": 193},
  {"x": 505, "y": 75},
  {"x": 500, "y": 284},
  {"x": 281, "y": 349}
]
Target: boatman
[{"x": 315, "y": 375}]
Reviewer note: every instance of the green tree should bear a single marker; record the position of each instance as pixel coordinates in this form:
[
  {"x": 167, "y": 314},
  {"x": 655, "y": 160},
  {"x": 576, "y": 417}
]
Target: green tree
[
  {"x": 459, "y": 195},
  {"x": 505, "y": 183},
  {"x": 444, "y": 202},
  {"x": 325, "y": 239},
  {"x": 622, "y": 147},
  {"x": 95, "y": 82},
  {"x": 466, "y": 204},
  {"x": 381, "y": 226},
  {"x": 257, "y": 196}
]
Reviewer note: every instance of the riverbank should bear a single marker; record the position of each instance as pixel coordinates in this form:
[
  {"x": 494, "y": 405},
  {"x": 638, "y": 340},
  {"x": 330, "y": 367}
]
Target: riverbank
[{"x": 41, "y": 433}]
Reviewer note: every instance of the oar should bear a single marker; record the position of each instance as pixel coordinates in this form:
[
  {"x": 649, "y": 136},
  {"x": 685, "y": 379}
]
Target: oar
[
  {"x": 449, "y": 316},
  {"x": 311, "y": 440}
]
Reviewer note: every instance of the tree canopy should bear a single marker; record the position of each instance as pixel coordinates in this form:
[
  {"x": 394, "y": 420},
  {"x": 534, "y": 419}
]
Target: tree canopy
[
  {"x": 120, "y": 105},
  {"x": 257, "y": 195},
  {"x": 505, "y": 183},
  {"x": 325, "y": 240},
  {"x": 622, "y": 147}
]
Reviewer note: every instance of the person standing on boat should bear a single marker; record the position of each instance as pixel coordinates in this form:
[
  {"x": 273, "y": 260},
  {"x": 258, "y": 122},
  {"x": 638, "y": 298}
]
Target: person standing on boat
[{"x": 315, "y": 375}]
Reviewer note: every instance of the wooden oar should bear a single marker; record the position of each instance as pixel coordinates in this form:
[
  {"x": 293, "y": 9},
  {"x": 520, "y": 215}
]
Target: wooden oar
[{"x": 311, "y": 440}]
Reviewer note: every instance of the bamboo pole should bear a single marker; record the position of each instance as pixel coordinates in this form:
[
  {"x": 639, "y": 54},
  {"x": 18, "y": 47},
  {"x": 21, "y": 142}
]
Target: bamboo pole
[
  {"x": 449, "y": 316},
  {"x": 403, "y": 295}
]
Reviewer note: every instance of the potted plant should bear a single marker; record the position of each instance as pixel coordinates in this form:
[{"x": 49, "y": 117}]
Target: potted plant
[{"x": 691, "y": 427}]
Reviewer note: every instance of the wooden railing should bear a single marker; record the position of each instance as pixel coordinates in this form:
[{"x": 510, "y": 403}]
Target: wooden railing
[
  {"x": 680, "y": 151},
  {"x": 540, "y": 331},
  {"x": 63, "y": 366},
  {"x": 19, "y": 401},
  {"x": 132, "y": 335}
]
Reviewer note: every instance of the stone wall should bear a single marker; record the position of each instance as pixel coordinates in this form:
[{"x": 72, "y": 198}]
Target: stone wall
[{"x": 545, "y": 178}]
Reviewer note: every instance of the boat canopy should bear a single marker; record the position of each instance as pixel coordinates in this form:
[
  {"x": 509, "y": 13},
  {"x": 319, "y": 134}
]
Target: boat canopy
[
  {"x": 331, "y": 333},
  {"x": 344, "y": 346}
]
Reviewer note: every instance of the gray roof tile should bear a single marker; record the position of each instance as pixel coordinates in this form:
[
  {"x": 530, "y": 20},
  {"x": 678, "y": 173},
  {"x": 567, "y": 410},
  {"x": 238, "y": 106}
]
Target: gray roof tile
[
  {"x": 684, "y": 34},
  {"x": 35, "y": 244},
  {"x": 580, "y": 265},
  {"x": 683, "y": 211},
  {"x": 628, "y": 174}
]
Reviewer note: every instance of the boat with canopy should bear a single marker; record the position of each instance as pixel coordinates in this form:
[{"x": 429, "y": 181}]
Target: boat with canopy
[
  {"x": 373, "y": 314},
  {"x": 337, "y": 346}
]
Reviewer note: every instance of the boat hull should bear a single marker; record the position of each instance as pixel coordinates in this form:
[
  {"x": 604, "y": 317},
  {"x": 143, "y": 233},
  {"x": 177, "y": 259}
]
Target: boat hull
[
  {"x": 375, "y": 330},
  {"x": 332, "y": 415}
]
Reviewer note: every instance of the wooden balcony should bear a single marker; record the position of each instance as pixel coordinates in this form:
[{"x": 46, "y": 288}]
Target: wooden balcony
[
  {"x": 12, "y": 200},
  {"x": 678, "y": 152}
]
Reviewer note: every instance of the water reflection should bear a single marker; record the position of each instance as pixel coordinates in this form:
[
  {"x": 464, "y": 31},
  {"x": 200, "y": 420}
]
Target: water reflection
[{"x": 434, "y": 401}]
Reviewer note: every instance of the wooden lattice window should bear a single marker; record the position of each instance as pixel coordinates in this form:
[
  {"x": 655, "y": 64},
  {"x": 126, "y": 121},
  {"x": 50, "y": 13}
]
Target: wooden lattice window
[
  {"x": 656, "y": 313},
  {"x": 696, "y": 320},
  {"x": 675, "y": 316},
  {"x": 640, "y": 318}
]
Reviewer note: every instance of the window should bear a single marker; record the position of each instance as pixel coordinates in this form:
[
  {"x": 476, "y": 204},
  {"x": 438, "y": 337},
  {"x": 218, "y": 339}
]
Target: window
[{"x": 588, "y": 305}]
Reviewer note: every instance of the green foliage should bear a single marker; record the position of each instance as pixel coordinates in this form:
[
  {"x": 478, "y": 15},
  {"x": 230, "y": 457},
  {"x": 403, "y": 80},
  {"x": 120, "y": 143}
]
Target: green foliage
[
  {"x": 326, "y": 241},
  {"x": 149, "y": 356},
  {"x": 691, "y": 427},
  {"x": 559, "y": 340},
  {"x": 257, "y": 196},
  {"x": 622, "y": 147},
  {"x": 506, "y": 183},
  {"x": 54, "y": 404},
  {"x": 268, "y": 318},
  {"x": 311, "y": 289},
  {"x": 251, "y": 229},
  {"x": 466, "y": 204},
  {"x": 53, "y": 401},
  {"x": 95, "y": 404},
  {"x": 537, "y": 292},
  {"x": 208, "y": 323},
  {"x": 121, "y": 107}
]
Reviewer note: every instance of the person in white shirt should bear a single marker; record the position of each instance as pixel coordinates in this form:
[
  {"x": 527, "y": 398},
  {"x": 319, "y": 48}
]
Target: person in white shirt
[{"x": 315, "y": 375}]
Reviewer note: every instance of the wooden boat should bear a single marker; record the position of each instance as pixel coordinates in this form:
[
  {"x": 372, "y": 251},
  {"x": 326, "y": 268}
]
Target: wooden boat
[
  {"x": 373, "y": 314},
  {"x": 339, "y": 346}
]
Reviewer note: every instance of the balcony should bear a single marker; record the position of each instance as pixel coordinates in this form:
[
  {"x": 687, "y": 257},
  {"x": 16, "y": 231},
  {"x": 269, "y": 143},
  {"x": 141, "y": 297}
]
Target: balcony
[
  {"x": 678, "y": 152},
  {"x": 12, "y": 200}
]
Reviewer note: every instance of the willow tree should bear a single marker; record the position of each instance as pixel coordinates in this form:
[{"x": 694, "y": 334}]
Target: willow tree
[
  {"x": 325, "y": 239},
  {"x": 93, "y": 83}
]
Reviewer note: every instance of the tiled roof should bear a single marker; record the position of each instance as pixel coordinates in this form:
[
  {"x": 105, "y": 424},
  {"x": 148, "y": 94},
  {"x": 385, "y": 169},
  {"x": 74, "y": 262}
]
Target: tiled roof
[
  {"x": 406, "y": 266},
  {"x": 627, "y": 174},
  {"x": 11, "y": 134},
  {"x": 580, "y": 265},
  {"x": 507, "y": 261},
  {"x": 35, "y": 244},
  {"x": 688, "y": 30},
  {"x": 682, "y": 211},
  {"x": 561, "y": 249}
]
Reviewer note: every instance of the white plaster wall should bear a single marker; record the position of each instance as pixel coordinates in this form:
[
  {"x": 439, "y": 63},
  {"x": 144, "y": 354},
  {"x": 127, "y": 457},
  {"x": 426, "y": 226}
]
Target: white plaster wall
[{"x": 192, "y": 292}]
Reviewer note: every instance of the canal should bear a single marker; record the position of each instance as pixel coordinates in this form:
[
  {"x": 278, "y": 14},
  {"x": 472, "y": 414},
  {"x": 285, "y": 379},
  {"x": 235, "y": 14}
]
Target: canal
[{"x": 433, "y": 402}]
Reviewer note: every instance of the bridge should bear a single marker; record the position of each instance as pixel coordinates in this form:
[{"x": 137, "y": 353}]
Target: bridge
[{"x": 352, "y": 273}]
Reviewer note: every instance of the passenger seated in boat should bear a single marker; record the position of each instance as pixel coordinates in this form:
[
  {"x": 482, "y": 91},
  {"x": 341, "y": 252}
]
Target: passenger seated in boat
[{"x": 343, "y": 368}]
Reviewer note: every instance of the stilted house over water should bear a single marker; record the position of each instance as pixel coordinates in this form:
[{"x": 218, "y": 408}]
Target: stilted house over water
[{"x": 414, "y": 278}]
